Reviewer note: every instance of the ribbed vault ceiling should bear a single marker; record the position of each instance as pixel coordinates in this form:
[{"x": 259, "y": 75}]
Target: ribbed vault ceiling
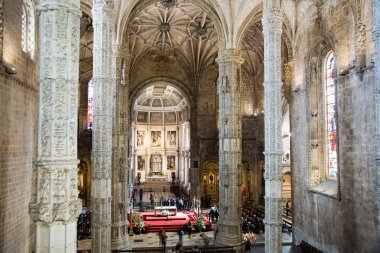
[
  {"x": 184, "y": 31},
  {"x": 252, "y": 49},
  {"x": 86, "y": 45}
]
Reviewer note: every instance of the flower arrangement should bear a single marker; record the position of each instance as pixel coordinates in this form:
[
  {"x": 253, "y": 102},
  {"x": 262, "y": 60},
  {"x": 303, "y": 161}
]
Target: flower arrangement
[
  {"x": 165, "y": 213},
  {"x": 200, "y": 223},
  {"x": 249, "y": 237},
  {"x": 139, "y": 224}
]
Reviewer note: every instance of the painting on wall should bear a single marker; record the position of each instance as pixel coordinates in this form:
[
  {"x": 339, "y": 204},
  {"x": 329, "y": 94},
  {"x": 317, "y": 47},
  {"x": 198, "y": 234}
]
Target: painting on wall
[
  {"x": 140, "y": 163},
  {"x": 156, "y": 139},
  {"x": 172, "y": 138},
  {"x": 156, "y": 118},
  {"x": 170, "y": 118},
  {"x": 140, "y": 138},
  {"x": 142, "y": 117},
  {"x": 171, "y": 163}
]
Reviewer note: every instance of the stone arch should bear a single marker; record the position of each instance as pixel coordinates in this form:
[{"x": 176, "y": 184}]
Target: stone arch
[
  {"x": 315, "y": 109},
  {"x": 176, "y": 83},
  {"x": 86, "y": 6},
  {"x": 256, "y": 16},
  {"x": 312, "y": 18}
]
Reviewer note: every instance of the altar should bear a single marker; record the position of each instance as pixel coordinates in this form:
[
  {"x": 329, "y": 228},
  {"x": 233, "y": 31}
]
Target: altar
[
  {"x": 162, "y": 208},
  {"x": 156, "y": 179}
]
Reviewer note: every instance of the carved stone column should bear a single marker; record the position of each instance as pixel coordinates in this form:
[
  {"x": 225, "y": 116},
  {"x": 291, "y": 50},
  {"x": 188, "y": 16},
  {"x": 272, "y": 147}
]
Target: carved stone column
[
  {"x": 272, "y": 26},
  {"x": 1, "y": 29},
  {"x": 230, "y": 147},
  {"x": 55, "y": 206},
  {"x": 102, "y": 129},
  {"x": 120, "y": 192},
  {"x": 376, "y": 39},
  {"x": 181, "y": 167},
  {"x": 186, "y": 174}
]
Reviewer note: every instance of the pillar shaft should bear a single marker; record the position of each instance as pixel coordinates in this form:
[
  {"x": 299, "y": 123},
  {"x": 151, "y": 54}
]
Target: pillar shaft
[
  {"x": 120, "y": 190},
  {"x": 272, "y": 26},
  {"x": 55, "y": 206},
  {"x": 104, "y": 90},
  {"x": 230, "y": 149},
  {"x": 376, "y": 39}
]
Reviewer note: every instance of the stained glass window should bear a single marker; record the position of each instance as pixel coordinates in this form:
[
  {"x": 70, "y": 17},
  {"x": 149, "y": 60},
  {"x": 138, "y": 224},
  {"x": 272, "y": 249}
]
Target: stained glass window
[
  {"x": 90, "y": 103},
  {"x": 331, "y": 130}
]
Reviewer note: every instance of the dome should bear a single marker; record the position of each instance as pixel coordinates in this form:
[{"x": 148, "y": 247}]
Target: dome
[{"x": 160, "y": 103}]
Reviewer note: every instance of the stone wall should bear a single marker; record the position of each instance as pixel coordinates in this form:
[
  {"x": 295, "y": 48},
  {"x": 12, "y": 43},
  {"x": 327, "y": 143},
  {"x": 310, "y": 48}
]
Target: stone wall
[
  {"x": 18, "y": 110},
  {"x": 163, "y": 66},
  {"x": 347, "y": 221}
]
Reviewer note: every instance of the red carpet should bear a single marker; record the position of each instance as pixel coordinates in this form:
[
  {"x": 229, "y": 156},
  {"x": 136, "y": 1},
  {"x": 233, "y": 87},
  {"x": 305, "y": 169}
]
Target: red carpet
[{"x": 171, "y": 223}]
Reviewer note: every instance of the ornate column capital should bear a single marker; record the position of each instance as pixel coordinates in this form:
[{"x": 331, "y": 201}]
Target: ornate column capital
[
  {"x": 272, "y": 19},
  {"x": 230, "y": 55},
  {"x": 100, "y": 4},
  {"x": 58, "y": 5}
]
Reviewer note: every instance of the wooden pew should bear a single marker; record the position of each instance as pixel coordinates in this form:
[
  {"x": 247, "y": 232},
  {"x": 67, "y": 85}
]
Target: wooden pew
[{"x": 307, "y": 248}]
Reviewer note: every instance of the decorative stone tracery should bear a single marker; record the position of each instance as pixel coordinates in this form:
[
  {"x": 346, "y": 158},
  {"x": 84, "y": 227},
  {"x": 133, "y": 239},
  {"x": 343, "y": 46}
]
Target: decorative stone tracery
[
  {"x": 104, "y": 91},
  {"x": 272, "y": 26},
  {"x": 55, "y": 206},
  {"x": 230, "y": 147},
  {"x": 120, "y": 196}
]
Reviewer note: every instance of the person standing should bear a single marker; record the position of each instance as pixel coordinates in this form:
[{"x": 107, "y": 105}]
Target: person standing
[
  {"x": 287, "y": 209},
  {"x": 163, "y": 238},
  {"x": 247, "y": 246},
  {"x": 180, "y": 234},
  {"x": 178, "y": 246},
  {"x": 189, "y": 228},
  {"x": 151, "y": 199}
]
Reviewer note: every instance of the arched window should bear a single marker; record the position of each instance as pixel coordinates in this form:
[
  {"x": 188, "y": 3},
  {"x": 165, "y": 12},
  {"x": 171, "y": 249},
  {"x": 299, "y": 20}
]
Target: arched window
[
  {"x": 90, "y": 102},
  {"x": 330, "y": 118},
  {"x": 28, "y": 28}
]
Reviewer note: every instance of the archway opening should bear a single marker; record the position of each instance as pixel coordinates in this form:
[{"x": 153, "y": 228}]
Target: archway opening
[{"x": 160, "y": 140}]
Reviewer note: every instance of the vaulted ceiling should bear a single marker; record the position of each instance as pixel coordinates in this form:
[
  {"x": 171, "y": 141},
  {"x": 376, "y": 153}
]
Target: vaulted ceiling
[
  {"x": 184, "y": 31},
  {"x": 86, "y": 45}
]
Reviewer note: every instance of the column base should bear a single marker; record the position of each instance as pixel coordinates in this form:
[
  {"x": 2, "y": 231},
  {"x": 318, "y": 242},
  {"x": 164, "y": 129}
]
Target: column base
[
  {"x": 56, "y": 238},
  {"x": 120, "y": 237},
  {"x": 226, "y": 240},
  {"x": 229, "y": 235},
  {"x": 120, "y": 242}
]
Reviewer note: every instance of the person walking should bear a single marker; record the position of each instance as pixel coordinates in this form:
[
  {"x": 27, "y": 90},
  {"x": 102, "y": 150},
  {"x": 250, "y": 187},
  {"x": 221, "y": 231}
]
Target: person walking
[{"x": 163, "y": 239}]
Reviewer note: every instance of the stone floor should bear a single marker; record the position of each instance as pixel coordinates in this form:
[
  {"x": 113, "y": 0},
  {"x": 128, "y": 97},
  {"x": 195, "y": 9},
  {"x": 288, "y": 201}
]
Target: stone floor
[{"x": 152, "y": 240}]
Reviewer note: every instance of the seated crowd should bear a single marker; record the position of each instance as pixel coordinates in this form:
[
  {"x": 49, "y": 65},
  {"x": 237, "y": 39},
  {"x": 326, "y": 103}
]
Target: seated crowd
[
  {"x": 84, "y": 225},
  {"x": 252, "y": 219}
]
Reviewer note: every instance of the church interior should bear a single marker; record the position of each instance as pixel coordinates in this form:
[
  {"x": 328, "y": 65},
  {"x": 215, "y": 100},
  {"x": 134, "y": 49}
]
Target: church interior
[{"x": 112, "y": 109}]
